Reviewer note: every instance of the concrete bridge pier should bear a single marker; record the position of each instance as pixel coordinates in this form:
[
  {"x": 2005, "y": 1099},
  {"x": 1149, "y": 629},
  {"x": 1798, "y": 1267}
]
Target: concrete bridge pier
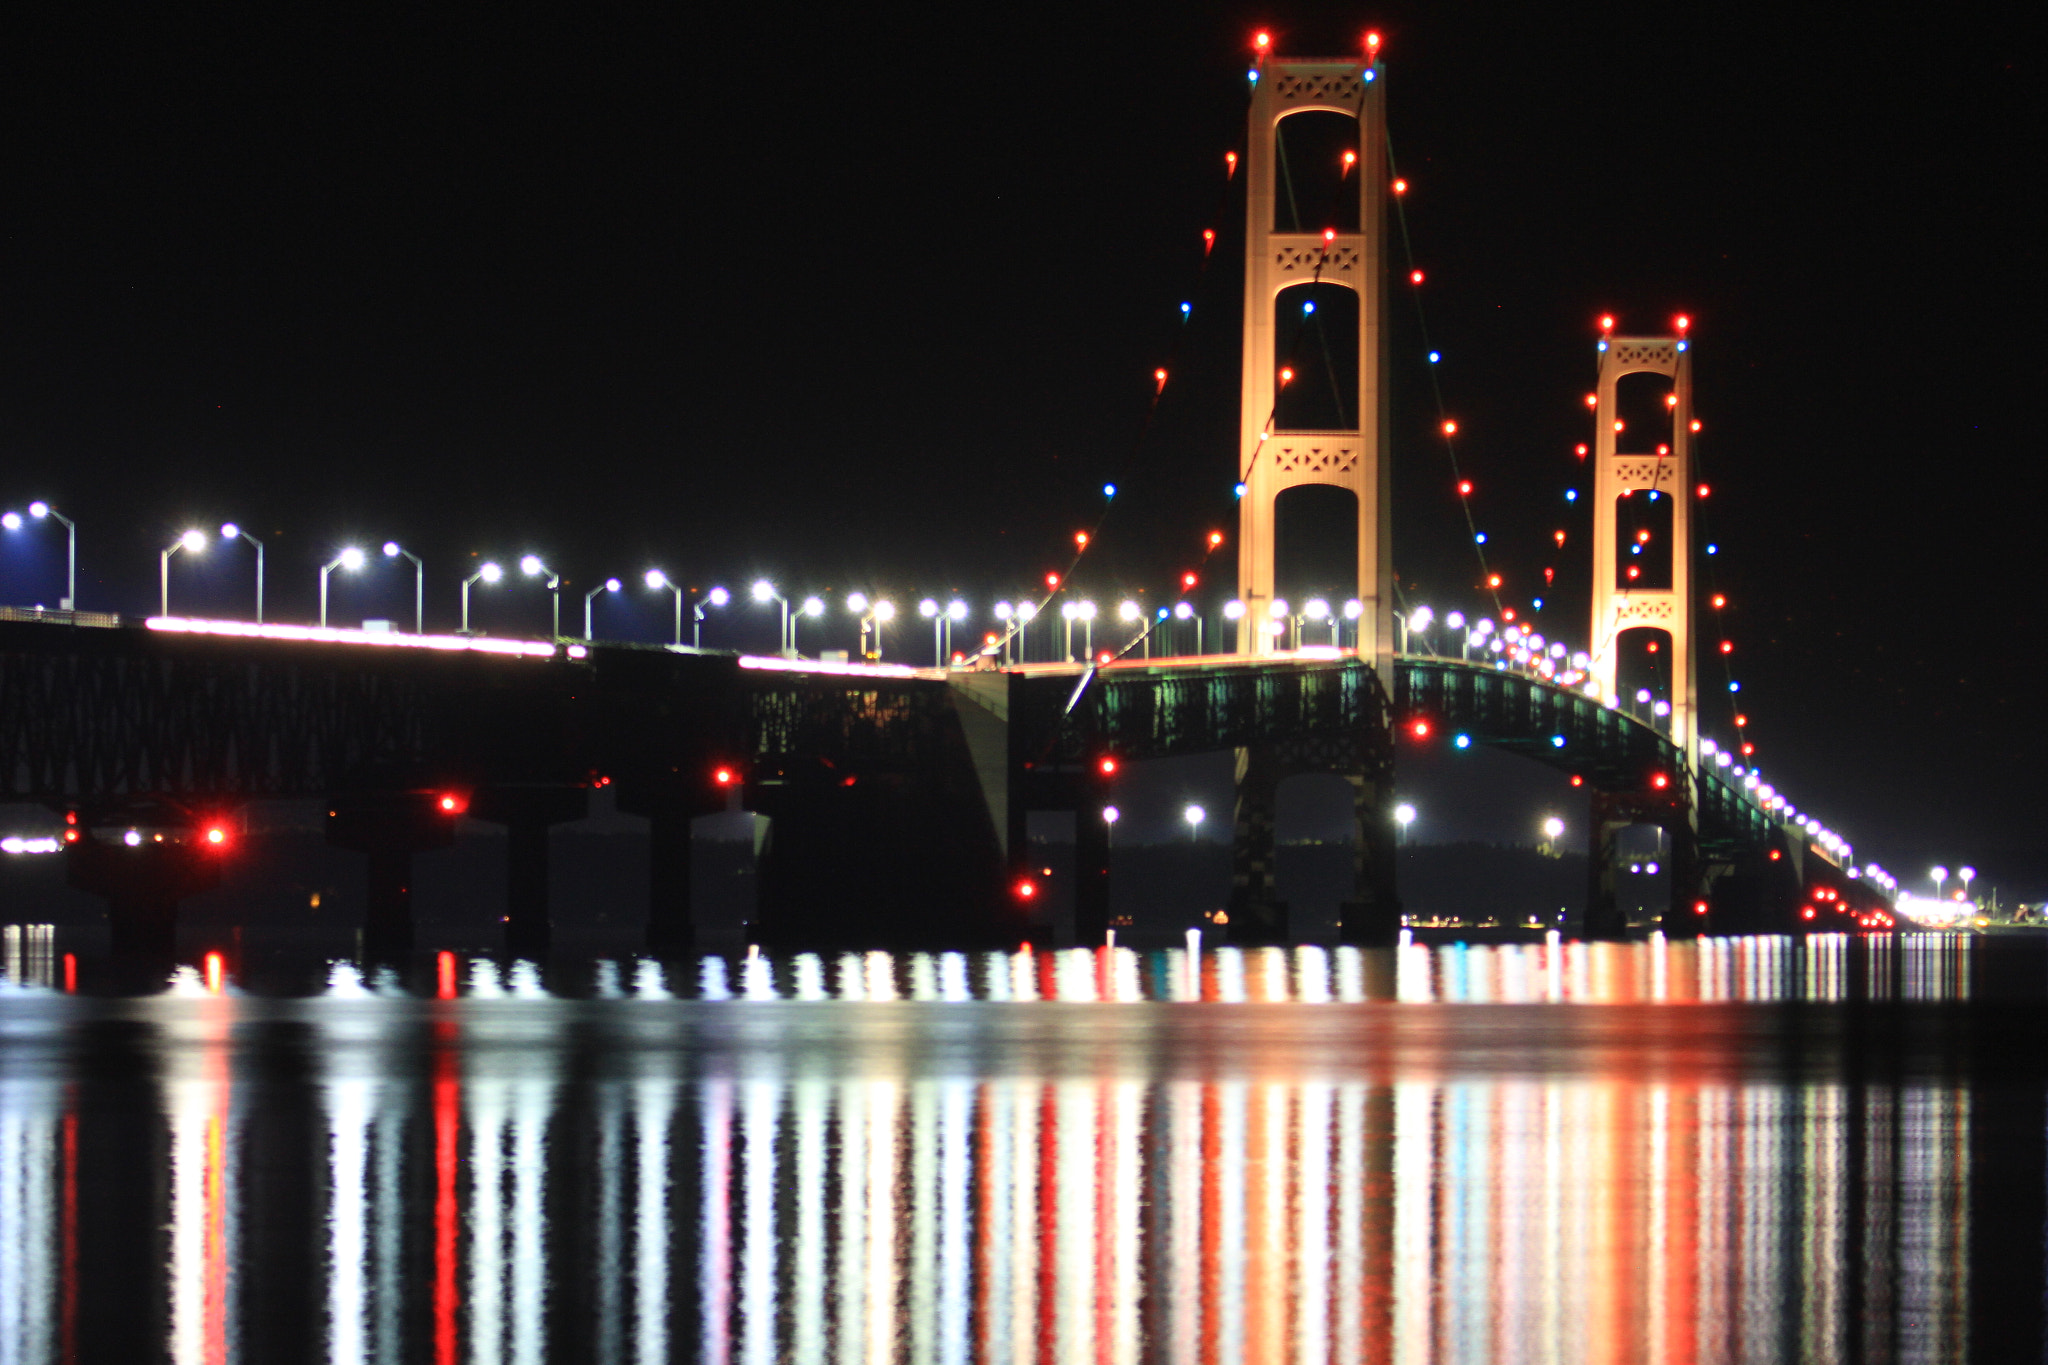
[
  {"x": 388, "y": 827},
  {"x": 1610, "y": 813},
  {"x": 527, "y": 812},
  {"x": 142, "y": 884},
  {"x": 671, "y": 917},
  {"x": 1258, "y": 916},
  {"x": 1372, "y": 917}
]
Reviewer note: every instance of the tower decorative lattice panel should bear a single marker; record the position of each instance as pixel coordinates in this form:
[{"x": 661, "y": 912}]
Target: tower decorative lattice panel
[{"x": 1272, "y": 461}]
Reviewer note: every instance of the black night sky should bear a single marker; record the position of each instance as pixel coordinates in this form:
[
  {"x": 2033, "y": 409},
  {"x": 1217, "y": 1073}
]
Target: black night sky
[{"x": 872, "y": 299}]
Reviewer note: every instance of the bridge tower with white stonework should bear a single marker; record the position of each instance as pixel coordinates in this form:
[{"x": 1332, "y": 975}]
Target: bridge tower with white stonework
[{"x": 1271, "y": 461}]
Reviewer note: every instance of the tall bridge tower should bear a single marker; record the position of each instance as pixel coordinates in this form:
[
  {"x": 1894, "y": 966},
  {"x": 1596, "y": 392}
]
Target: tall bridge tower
[
  {"x": 1273, "y": 461},
  {"x": 1622, "y": 603}
]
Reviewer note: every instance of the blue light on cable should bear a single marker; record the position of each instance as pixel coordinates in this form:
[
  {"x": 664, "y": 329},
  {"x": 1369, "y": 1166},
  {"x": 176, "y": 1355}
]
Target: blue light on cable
[
  {"x": 1109, "y": 490},
  {"x": 1681, "y": 345},
  {"x": 1240, "y": 490},
  {"x": 1308, "y": 307},
  {"x": 1557, "y": 741},
  {"x": 1713, "y": 549},
  {"x": 1572, "y": 495},
  {"x": 1435, "y": 356},
  {"x": 1603, "y": 345},
  {"x": 1635, "y": 549},
  {"x": 1653, "y": 495},
  {"x": 1536, "y": 603},
  {"x": 1463, "y": 742},
  {"x": 1185, "y": 309},
  {"x": 1252, "y": 75},
  {"x": 1370, "y": 75},
  {"x": 1480, "y": 538},
  {"x": 1734, "y": 687}
]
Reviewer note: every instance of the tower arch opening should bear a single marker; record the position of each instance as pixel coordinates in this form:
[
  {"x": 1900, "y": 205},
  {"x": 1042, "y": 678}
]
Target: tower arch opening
[
  {"x": 1643, "y": 406},
  {"x": 1643, "y": 538},
  {"x": 1315, "y": 339},
  {"x": 1315, "y": 547},
  {"x": 1311, "y": 185},
  {"x": 1642, "y": 666}
]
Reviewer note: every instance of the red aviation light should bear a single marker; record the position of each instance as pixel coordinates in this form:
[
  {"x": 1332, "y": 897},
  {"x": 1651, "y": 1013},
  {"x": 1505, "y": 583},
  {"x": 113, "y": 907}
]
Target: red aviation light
[
  {"x": 1400, "y": 187},
  {"x": 1415, "y": 277},
  {"x": 1450, "y": 428},
  {"x": 1578, "y": 781},
  {"x": 1372, "y": 42},
  {"x": 1681, "y": 322},
  {"x": 1464, "y": 488},
  {"x": 1592, "y": 400},
  {"x": 723, "y": 777},
  {"x": 1208, "y": 240},
  {"x": 1702, "y": 490},
  {"x": 216, "y": 836},
  {"x": 1080, "y": 540},
  {"x": 1699, "y": 907},
  {"x": 1660, "y": 781},
  {"x": 1159, "y": 380},
  {"x": 1024, "y": 889},
  {"x": 1262, "y": 40},
  {"x": 1229, "y": 164},
  {"x": 1052, "y": 580},
  {"x": 1286, "y": 375},
  {"x": 1106, "y": 765},
  {"x": 451, "y": 803},
  {"x": 1187, "y": 581},
  {"x": 1606, "y": 324},
  {"x": 1215, "y": 539},
  {"x": 1419, "y": 727}
]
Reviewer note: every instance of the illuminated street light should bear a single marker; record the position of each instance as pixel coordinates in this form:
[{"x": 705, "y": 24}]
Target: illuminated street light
[
  {"x": 531, "y": 566},
  {"x": 1110, "y": 815},
  {"x": 350, "y": 559},
  {"x": 589, "y": 598},
  {"x": 192, "y": 542},
  {"x": 1194, "y": 815},
  {"x": 230, "y": 531},
  {"x": 40, "y": 509},
  {"x": 1404, "y": 816},
  {"x": 1940, "y": 875},
  {"x": 813, "y": 607},
  {"x": 1966, "y": 875},
  {"x": 656, "y": 580},
  {"x": 764, "y": 592},
  {"x": 717, "y": 597},
  {"x": 392, "y": 550},
  {"x": 486, "y": 572}
]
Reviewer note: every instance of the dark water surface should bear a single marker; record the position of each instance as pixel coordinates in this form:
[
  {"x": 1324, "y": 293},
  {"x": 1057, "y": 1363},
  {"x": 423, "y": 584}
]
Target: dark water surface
[{"x": 1732, "y": 1150}]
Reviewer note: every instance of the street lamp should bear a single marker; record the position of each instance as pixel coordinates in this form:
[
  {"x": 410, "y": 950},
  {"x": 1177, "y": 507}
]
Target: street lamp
[
  {"x": 1194, "y": 815},
  {"x": 1110, "y": 815},
  {"x": 1280, "y": 616},
  {"x": 486, "y": 572},
  {"x": 609, "y": 585},
  {"x": 1940, "y": 875},
  {"x": 1404, "y": 816},
  {"x": 1553, "y": 830},
  {"x": 39, "y": 510},
  {"x": 1966, "y": 875},
  {"x": 813, "y": 607},
  {"x": 1086, "y": 612},
  {"x": 764, "y": 593},
  {"x": 879, "y": 614},
  {"x": 531, "y": 566},
  {"x": 392, "y": 550},
  {"x": 230, "y": 531},
  {"x": 956, "y": 610},
  {"x": 717, "y": 597},
  {"x": 929, "y": 610},
  {"x": 350, "y": 559},
  {"x": 1317, "y": 609},
  {"x": 192, "y": 542},
  {"x": 1185, "y": 611},
  {"x": 657, "y": 580},
  {"x": 1131, "y": 614}
]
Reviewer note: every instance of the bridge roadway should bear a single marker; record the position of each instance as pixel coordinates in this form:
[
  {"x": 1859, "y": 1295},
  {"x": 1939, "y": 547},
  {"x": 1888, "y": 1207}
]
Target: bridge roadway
[{"x": 897, "y": 795}]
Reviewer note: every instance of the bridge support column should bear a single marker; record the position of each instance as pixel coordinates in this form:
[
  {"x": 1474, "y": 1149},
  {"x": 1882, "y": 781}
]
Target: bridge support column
[
  {"x": 1257, "y": 914},
  {"x": 1608, "y": 814},
  {"x": 143, "y": 886},
  {"x": 389, "y": 827},
  {"x": 1372, "y": 917},
  {"x": 527, "y": 814},
  {"x": 671, "y": 916}
]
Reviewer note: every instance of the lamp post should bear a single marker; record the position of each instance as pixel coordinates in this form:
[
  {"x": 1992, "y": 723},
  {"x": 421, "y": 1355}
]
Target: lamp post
[
  {"x": 350, "y": 559},
  {"x": 486, "y": 572},
  {"x": 230, "y": 531},
  {"x": 392, "y": 550},
  {"x": 192, "y": 542},
  {"x": 1966, "y": 875},
  {"x": 657, "y": 580},
  {"x": 1318, "y": 610},
  {"x": 531, "y": 566},
  {"x": 1110, "y": 815},
  {"x": 1130, "y": 613},
  {"x": 764, "y": 593},
  {"x": 1281, "y": 619},
  {"x": 609, "y": 585},
  {"x": 1194, "y": 815},
  {"x": 812, "y": 607},
  {"x": 40, "y": 509},
  {"x": 1418, "y": 623},
  {"x": 1553, "y": 830},
  {"x": 717, "y": 597},
  {"x": 1940, "y": 875},
  {"x": 956, "y": 610},
  {"x": 1185, "y": 611},
  {"x": 1404, "y": 816},
  {"x": 929, "y": 610}
]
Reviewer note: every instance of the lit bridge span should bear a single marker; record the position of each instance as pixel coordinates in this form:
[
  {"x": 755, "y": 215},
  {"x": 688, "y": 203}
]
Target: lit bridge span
[{"x": 897, "y": 796}]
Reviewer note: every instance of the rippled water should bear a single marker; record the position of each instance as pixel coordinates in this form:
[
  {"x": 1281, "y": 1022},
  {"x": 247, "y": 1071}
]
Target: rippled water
[{"x": 1741, "y": 1150}]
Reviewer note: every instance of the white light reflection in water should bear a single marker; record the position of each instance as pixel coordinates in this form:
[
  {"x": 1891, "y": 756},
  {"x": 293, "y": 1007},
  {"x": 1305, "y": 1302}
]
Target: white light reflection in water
[{"x": 935, "y": 1180}]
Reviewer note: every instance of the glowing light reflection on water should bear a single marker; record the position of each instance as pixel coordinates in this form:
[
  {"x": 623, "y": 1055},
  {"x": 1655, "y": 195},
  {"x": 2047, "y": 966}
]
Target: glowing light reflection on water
[{"x": 1521, "y": 1152}]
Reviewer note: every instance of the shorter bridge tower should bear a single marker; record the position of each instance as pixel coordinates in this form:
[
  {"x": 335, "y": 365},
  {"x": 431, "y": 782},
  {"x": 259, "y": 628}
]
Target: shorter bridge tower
[{"x": 1621, "y": 604}]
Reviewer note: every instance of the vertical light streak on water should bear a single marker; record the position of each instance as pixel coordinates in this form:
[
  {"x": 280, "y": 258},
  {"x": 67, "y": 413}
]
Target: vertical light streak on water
[
  {"x": 924, "y": 1219},
  {"x": 714, "y": 1268},
  {"x": 1312, "y": 1325},
  {"x": 956, "y": 1097},
  {"x": 1072, "y": 1214},
  {"x": 654, "y": 1103},
  {"x": 647, "y": 982},
  {"x": 1550, "y": 1105},
  {"x": 1461, "y": 1225},
  {"x": 1231, "y": 1242},
  {"x": 1412, "y": 969},
  {"x": 850, "y": 1326},
  {"x": 884, "y": 1101},
  {"x": 1656, "y": 1123},
  {"x": 1517, "y": 1134},
  {"x": 532, "y": 1103},
  {"x": 1822, "y": 1270},
  {"x": 610, "y": 1176},
  {"x": 1180, "y": 1146},
  {"x": 198, "y": 1095},
  {"x": 1879, "y": 1233},
  {"x": 996, "y": 1240},
  {"x": 1127, "y": 1105},
  {"x": 880, "y": 976},
  {"x": 1933, "y": 1240},
  {"x": 487, "y": 1287},
  {"x": 1713, "y": 1140},
  {"x": 924, "y": 977},
  {"x": 1348, "y": 1326},
  {"x": 810, "y": 977},
  {"x": 809, "y": 1104},
  {"x": 387, "y": 1221},
  {"x": 349, "y": 1104},
  {"x": 1760, "y": 1176},
  {"x": 1414, "y": 1197},
  {"x": 953, "y": 978},
  {"x": 763, "y": 1102},
  {"x": 28, "y": 1220},
  {"x": 1266, "y": 1172}
]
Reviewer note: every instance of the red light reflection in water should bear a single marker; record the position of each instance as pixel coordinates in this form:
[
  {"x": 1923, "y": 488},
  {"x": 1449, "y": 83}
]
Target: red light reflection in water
[{"x": 447, "y": 1164}]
